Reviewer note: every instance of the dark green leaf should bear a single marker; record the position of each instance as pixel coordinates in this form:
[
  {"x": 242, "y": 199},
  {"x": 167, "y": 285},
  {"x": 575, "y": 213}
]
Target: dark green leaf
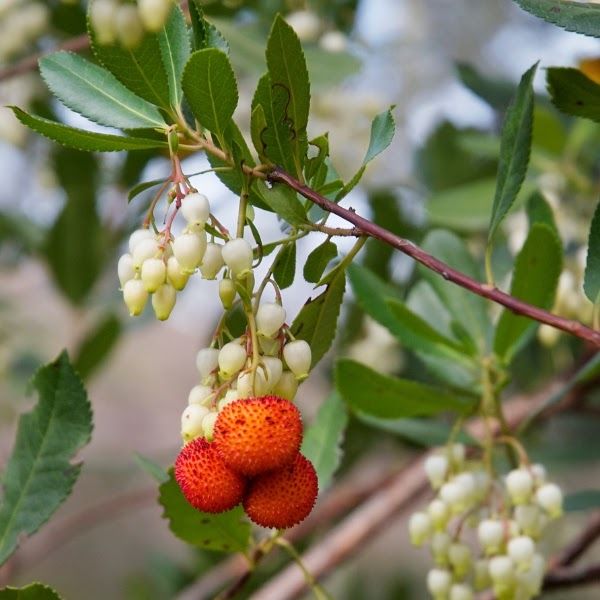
[
  {"x": 539, "y": 211},
  {"x": 140, "y": 69},
  {"x": 74, "y": 247},
  {"x": 97, "y": 345},
  {"x": 285, "y": 267},
  {"x": 535, "y": 278},
  {"x": 40, "y": 475},
  {"x": 211, "y": 89},
  {"x": 370, "y": 392},
  {"x": 174, "y": 45},
  {"x": 317, "y": 321},
  {"x": 583, "y": 500},
  {"x": 284, "y": 202},
  {"x": 96, "y": 93},
  {"x": 153, "y": 469},
  {"x": 318, "y": 259},
  {"x": 322, "y": 440},
  {"x": 33, "y": 591},
  {"x": 136, "y": 190},
  {"x": 515, "y": 148},
  {"x": 225, "y": 532},
  {"x": 573, "y": 16},
  {"x": 574, "y": 93},
  {"x": 591, "y": 280},
  {"x": 79, "y": 139}
]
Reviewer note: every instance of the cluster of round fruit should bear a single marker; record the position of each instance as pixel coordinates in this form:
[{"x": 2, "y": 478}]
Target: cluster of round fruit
[
  {"x": 123, "y": 22},
  {"x": 506, "y": 517},
  {"x": 21, "y": 23},
  {"x": 161, "y": 267},
  {"x": 227, "y": 373},
  {"x": 253, "y": 459}
]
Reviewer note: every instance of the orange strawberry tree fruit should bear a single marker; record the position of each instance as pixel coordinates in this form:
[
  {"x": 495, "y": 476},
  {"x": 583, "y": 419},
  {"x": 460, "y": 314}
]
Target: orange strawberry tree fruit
[{"x": 249, "y": 469}]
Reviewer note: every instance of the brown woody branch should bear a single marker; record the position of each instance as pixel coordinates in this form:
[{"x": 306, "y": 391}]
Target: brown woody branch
[
  {"x": 369, "y": 228},
  {"x": 571, "y": 577}
]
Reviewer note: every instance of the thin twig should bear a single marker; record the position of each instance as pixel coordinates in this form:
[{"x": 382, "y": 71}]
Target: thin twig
[
  {"x": 369, "y": 228},
  {"x": 570, "y": 577},
  {"x": 579, "y": 545}
]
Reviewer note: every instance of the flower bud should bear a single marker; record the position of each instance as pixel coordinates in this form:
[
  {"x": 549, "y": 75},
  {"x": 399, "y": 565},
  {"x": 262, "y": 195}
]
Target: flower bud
[
  {"x": 287, "y": 386},
  {"x": 212, "y": 262},
  {"x": 419, "y": 528},
  {"x": 268, "y": 346},
  {"x": 207, "y": 360},
  {"x": 102, "y": 20},
  {"x": 460, "y": 558},
  {"x": 439, "y": 512},
  {"x": 163, "y": 301},
  {"x": 143, "y": 250},
  {"x": 247, "y": 388},
  {"x": 232, "y": 358},
  {"x": 154, "y": 13},
  {"x": 238, "y": 256},
  {"x": 519, "y": 484},
  {"x": 501, "y": 569},
  {"x": 189, "y": 249},
  {"x": 208, "y": 425},
  {"x": 202, "y": 395},
  {"x": 438, "y": 583},
  {"x": 274, "y": 370},
  {"x": 135, "y": 296},
  {"x": 530, "y": 520},
  {"x": 269, "y": 318},
  {"x": 468, "y": 483},
  {"x": 175, "y": 275},
  {"x": 550, "y": 498},
  {"x": 530, "y": 581},
  {"x": 196, "y": 210},
  {"x": 539, "y": 473},
  {"x": 227, "y": 293},
  {"x": 481, "y": 575},
  {"x": 491, "y": 535},
  {"x": 461, "y": 591},
  {"x": 521, "y": 550},
  {"x": 455, "y": 496},
  {"x": 333, "y": 41},
  {"x": 128, "y": 26},
  {"x": 436, "y": 469},
  {"x": 154, "y": 273},
  {"x": 457, "y": 454},
  {"x": 137, "y": 236},
  {"x": 298, "y": 356},
  {"x": 125, "y": 269},
  {"x": 305, "y": 23},
  {"x": 191, "y": 421},
  {"x": 440, "y": 544},
  {"x": 229, "y": 397}
]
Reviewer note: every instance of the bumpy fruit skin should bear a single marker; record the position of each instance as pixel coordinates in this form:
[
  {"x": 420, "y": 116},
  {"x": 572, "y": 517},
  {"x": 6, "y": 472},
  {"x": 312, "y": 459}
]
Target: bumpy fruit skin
[
  {"x": 207, "y": 483},
  {"x": 285, "y": 497},
  {"x": 255, "y": 435}
]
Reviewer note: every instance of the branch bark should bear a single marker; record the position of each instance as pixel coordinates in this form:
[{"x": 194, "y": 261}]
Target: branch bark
[{"x": 369, "y": 228}]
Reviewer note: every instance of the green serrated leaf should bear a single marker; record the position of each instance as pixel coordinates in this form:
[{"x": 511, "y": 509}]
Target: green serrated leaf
[
  {"x": 370, "y": 392},
  {"x": 574, "y": 93},
  {"x": 97, "y": 345},
  {"x": 515, "y": 148},
  {"x": 79, "y": 139},
  {"x": 136, "y": 190},
  {"x": 535, "y": 278},
  {"x": 75, "y": 246},
  {"x": 152, "y": 468},
  {"x": 225, "y": 532},
  {"x": 33, "y": 591},
  {"x": 580, "y": 17},
  {"x": 258, "y": 125},
  {"x": 322, "y": 440},
  {"x": 140, "y": 69},
  {"x": 175, "y": 50},
  {"x": 285, "y": 267},
  {"x": 317, "y": 321},
  {"x": 591, "y": 279},
  {"x": 96, "y": 93},
  {"x": 318, "y": 259},
  {"x": 283, "y": 201},
  {"x": 40, "y": 475},
  {"x": 210, "y": 87}
]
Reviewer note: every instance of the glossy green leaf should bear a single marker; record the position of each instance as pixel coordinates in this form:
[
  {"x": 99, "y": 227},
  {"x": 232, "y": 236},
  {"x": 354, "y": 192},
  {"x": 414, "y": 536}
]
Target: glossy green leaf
[
  {"x": 583, "y": 500},
  {"x": 79, "y": 139},
  {"x": 285, "y": 267},
  {"x": 175, "y": 50},
  {"x": 141, "y": 187},
  {"x": 97, "y": 345},
  {"x": 323, "y": 439},
  {"x": 515, "y": 148},
  {"x": 535, "y": 278},
  {"x": 33, "y": 591},
  {"x": 284, "y": 202},
  {"x": 224, "y": 532},
  {"x": 317, "y": 321},
  {"x": 318, "y": 259},
  {"x": 205, "y": 34},
  {"x": 370, "y": 392},
  {"x": 591, "y": 279},
  {"x": 288, "y": 74},
  {"x": 40, "y": 474},
  {"x": 574, "y": 93},
  {"x": 580, "y": 17},
  {"x": 140, "y": 69},
  {"x": 210, "y": 87},
  {"x": 96, "y": 93}
]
